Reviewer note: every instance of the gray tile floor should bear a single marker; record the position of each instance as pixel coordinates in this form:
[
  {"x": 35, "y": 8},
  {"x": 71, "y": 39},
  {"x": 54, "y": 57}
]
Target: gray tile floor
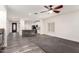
[
  {"x": 40, "y": 44},
  {"x": 17, "y": 44},
  {"x": 52, "y": 44}
]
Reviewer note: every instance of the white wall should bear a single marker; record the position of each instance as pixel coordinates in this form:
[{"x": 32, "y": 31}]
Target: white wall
[
  {"x": 66, "y": 26},
  {"x": 8, "y": 30},
  {"x": 21, "y": 26},
  {"x": 9, "y": 26},
  {"x": 3, "y": 22},
  {"x": 27, "y": 25}
]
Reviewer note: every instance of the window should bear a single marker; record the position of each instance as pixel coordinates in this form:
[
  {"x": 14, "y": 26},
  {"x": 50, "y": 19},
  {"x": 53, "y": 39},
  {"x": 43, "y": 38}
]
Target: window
[{"x": 51, "y": 27}]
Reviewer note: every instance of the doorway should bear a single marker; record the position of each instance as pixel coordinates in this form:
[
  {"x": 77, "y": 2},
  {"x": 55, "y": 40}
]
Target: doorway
[{"x": 14, "y": 27}]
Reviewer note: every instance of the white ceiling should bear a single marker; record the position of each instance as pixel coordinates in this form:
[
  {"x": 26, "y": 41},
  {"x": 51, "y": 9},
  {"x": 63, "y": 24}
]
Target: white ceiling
[
  {"x": 24, "y": 11},
  {"x": 17, "y": 12}
]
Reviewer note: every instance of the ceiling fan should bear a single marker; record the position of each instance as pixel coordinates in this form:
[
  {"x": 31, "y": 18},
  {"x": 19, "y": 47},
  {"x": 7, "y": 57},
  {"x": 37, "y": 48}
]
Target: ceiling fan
[{"x": 54, "y": 8}]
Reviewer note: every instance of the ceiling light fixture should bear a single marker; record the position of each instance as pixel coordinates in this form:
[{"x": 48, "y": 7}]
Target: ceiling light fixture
[{"x": 50, "y": 11}]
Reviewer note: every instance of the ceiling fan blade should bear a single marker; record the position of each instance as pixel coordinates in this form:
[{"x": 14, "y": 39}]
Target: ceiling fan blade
[
  {"x": 58, "y": 7},
  {"x": 44, "y": 11},
  {"x": 46, "y": 7},
  {"x": 56, "y": 10}
]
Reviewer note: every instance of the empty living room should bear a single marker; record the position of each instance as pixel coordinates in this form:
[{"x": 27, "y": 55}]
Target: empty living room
[{"x": 39, "y": 29}]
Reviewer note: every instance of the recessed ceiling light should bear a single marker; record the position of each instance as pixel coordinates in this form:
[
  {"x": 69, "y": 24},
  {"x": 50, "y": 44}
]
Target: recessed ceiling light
[{"x": 35, "y": 13}]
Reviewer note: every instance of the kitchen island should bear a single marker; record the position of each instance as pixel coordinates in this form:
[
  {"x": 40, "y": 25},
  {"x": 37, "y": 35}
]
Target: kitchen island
[{"x": 27, "y": 33}]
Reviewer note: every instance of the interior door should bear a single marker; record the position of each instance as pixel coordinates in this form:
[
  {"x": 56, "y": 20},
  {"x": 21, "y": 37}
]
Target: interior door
[{"x": 14, "y": 27}]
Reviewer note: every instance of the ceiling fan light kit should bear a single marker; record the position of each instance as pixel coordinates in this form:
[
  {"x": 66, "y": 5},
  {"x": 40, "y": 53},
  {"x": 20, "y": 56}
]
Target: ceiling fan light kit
[{"x": 50, "y": 11}]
